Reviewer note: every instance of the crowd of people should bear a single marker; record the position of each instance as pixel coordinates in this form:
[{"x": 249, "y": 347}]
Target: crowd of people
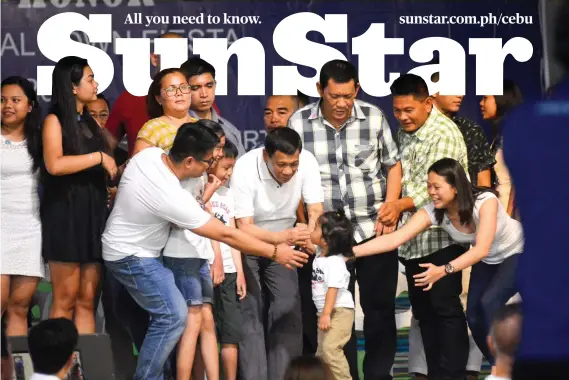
[{"x": 200, "y": 246}]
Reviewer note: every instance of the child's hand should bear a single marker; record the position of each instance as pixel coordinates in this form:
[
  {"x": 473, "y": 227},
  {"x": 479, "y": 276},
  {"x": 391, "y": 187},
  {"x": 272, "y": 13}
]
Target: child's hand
[
  {"x": 241, "y": 285},
  {"x": 217, "y": 273},
  {"x": 213, "y": 182},
  {"x": 324, "y": 322},
  {"x": 309, "y": 248}
]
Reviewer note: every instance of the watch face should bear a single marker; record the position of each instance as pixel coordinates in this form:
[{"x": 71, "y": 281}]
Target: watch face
[{"x": 449, "y": 268}]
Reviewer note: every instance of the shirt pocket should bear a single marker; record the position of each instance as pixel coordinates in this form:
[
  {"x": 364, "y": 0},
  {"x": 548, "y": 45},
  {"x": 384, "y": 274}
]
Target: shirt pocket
[{"x": 362, "y": 156}]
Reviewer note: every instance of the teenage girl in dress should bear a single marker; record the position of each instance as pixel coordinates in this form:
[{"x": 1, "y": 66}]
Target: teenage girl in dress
[{"x": 74, "y": 208}]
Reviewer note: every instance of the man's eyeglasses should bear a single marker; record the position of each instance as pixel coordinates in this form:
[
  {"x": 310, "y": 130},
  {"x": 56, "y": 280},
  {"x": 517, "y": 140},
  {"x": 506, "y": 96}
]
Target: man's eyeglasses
[
  {"x": 103, "y": 115},
  {"x": 173, "y": 90},
  {"x": 208, "y": 162}
]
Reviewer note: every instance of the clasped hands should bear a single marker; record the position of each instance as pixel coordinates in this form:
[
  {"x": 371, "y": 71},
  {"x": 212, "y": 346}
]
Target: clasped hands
[
  {"x": 299, "y": 236},
  {"x": 387, "y": 218}
]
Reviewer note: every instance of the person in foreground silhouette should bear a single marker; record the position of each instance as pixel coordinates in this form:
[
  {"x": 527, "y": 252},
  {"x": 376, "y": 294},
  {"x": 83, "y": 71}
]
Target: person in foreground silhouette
[{"x": 51, "y": 344}]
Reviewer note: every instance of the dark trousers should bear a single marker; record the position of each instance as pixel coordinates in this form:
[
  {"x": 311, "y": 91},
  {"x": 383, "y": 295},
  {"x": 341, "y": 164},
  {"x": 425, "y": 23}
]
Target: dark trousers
[
  {"x": 269, "y": 341},
  {"x": 377, "y": 279},
  {"x": 308, "y": 309},
  {"x": 440, "y": 316},
  {"x": 491, "y": 286}
]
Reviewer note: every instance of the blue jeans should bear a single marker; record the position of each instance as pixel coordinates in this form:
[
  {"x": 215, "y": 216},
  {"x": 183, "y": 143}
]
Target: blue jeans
[
  {"x": 491, "y": 286},
  {"x": 193, "y": 279},
  {"x": 152, "y": 286}
]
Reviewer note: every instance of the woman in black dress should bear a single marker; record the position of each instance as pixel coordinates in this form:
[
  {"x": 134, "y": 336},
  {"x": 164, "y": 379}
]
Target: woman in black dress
[{"x": 74, "y": 206}]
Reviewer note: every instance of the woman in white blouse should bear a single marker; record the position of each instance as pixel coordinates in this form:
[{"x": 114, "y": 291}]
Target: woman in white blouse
[
  {"x": 21, "y": 265},
  {"x": 471, "y": 215}
]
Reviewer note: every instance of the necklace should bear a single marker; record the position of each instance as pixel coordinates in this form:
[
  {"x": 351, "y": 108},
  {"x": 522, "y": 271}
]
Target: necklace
[{"x": 7, "y": 141}]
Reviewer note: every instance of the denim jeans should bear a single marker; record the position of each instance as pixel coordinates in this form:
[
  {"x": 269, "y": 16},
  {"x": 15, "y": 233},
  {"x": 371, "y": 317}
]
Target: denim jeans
[
  {"x": 152, "y": 286},
  {"x": 131, "y": 316},
  {"x": 491, "y": 286}
]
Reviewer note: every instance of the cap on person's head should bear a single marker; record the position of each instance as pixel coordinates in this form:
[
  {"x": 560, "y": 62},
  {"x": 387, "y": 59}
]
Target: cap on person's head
[
  {"x": 51, "y": 344},
  {"x": 193, "y": 140},
  {"x": 284, "y": 140}
]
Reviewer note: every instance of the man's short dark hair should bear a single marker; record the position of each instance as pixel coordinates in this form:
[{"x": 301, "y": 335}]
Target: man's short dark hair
[
  {"x": 506, "y": 329},
  {"x": 230, "y": 150},
  {"x": 51, "y": 344},
  {"x": 193, "y": 140},
  {"x": 410, "y": 84},
  {"x": 340, "y": 71},
  {"x": 197, "y": 66},
  {"x": 561, "y": 36},
  {"x": 284, "y": 140}
]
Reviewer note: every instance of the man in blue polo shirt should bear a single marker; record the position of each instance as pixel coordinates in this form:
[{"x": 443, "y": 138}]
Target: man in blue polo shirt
[{"x": 535, "y": 149}]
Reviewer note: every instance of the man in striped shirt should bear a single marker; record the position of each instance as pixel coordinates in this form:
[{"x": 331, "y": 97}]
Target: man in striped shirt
[
  {"x": 360, "y": 169},
  {"x": 425, "y": 136}
]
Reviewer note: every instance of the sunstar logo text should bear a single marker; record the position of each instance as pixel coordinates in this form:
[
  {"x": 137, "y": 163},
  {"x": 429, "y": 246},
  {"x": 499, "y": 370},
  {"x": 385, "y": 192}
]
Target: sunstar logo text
[{"x": 290, "y": 42}]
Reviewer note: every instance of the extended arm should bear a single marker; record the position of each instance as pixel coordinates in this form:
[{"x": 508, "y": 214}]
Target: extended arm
[
  {"x": 290, "y": 236},
  {"x": 387, "y": 243}
]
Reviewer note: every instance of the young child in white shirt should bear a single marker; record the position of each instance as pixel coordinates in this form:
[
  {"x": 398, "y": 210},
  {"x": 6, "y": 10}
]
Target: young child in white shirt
[
  {"x": 330, "y": 279},
  {"x": 229, "y": 279}
]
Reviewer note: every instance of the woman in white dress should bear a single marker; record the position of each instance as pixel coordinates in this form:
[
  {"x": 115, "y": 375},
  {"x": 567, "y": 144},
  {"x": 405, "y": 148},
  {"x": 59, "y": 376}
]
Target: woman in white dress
[{"x": 21, "y": 265}]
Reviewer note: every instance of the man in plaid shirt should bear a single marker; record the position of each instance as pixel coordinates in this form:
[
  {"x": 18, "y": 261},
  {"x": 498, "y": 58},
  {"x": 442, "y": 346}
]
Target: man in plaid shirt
[
  {"x": 425, "y": 136},
  {"x": 360, "y": 169}
]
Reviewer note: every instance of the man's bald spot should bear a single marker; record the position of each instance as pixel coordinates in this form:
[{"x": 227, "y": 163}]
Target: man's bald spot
[{"x": 293, "y": 100}]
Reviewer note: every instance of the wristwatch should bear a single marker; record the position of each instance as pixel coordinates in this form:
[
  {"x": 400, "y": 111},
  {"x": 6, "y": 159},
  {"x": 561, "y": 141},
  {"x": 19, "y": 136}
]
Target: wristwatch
[{"x": 449, "y": 269}]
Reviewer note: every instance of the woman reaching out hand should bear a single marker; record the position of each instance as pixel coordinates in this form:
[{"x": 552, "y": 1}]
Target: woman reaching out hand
[{"x": 471, "y": 215}]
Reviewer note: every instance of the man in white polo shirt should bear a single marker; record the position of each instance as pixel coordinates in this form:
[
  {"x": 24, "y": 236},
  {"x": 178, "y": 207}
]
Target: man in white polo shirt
[
  {"x": 267, "y": 186},
  {"x": 150, "y": 199}
]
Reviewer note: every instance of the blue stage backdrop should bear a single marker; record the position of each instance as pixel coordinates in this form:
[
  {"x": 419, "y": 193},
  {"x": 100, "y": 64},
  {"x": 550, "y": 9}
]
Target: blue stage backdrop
[{"x": 21, "y": 20}]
